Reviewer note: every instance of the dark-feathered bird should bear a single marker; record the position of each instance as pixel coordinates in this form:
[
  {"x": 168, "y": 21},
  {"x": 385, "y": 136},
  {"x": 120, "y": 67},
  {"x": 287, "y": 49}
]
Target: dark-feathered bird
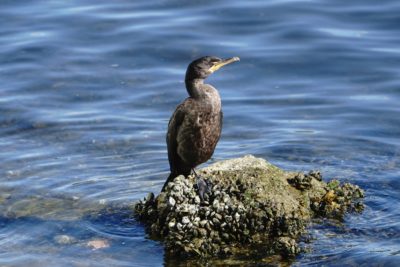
[{"x": 195, "y": 126}]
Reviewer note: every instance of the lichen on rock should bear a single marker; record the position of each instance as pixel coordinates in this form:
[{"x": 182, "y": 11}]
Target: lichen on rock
[{"x": 253, "y": 207}]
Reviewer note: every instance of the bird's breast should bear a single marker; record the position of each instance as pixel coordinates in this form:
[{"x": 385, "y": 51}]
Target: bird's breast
[{"x": 198, "y": 135}]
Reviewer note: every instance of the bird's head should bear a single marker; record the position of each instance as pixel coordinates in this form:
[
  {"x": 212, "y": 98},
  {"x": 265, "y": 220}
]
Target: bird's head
[{"x": 202, "y": 67}]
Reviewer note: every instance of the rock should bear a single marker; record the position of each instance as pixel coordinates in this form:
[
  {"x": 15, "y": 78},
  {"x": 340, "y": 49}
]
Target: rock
[
  {"x": 96, "y": 244},
  {"x": 287, "y": 246},
  {"x": 303, "y": 181},
  {"x": 253, "y": 207},
  {"x": 172, "y": 223},
  {"x": 171, "y": 201},
  {"x": 185, "y": 220},
  {"x": 150, "y": 197},
  {"x": 64, "y": 239},
  {"x": 179, "y": 226},
  {"x": 236, "y": 216}
]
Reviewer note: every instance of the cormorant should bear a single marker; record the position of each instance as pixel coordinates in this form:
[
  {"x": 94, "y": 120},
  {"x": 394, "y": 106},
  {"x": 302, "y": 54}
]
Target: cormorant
[{"x": 195, "y": 126}]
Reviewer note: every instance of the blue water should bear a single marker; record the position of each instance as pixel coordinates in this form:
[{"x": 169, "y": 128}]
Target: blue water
[{"x": 87, "y": 88}]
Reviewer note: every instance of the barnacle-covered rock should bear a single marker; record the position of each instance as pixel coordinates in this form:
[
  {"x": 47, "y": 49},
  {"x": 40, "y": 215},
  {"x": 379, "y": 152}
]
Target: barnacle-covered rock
[{"x": 253, "y": 207}]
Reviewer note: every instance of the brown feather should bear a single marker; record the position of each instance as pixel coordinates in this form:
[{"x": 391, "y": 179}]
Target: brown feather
[
  {"x": 193, "y": 133},
  {"x": 195, "y": 127}
]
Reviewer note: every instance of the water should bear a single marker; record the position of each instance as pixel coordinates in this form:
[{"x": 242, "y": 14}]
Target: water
[{"x": 87, "y": 88}]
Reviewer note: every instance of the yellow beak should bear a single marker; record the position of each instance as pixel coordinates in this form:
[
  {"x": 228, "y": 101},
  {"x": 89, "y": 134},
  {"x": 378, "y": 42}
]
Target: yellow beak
[{"x": 218, "y": 65}]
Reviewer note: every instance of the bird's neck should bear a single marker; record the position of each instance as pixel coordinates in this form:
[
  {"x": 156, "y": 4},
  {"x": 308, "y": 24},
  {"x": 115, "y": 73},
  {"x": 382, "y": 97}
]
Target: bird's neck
[{"x": 194, "y": 87}]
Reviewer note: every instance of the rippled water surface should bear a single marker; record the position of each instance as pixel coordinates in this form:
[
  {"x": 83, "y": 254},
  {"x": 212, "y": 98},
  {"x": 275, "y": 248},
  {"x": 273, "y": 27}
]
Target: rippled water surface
[{"x": 87, "y": 88}]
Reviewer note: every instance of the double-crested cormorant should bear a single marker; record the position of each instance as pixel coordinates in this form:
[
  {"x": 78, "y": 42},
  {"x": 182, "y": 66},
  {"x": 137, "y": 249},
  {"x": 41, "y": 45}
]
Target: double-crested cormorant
[{"x": 195, "y": 126}]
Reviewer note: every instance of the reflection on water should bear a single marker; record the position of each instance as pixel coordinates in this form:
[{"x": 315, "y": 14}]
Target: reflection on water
[{"x": 87, "y": 89}]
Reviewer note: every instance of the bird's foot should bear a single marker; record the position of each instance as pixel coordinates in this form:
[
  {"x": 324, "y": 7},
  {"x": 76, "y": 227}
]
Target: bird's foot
[{"x": 203, "y": 187}]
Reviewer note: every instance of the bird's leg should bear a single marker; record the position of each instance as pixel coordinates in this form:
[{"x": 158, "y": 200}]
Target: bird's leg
[{"x": 203, "y": 186}]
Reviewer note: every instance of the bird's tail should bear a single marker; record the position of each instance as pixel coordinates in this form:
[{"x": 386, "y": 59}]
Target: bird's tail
[{"x": 172, "y": 176}]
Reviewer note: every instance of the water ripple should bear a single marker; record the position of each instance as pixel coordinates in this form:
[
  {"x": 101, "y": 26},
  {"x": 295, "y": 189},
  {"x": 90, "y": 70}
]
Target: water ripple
[{"x": 88, "y": 88}]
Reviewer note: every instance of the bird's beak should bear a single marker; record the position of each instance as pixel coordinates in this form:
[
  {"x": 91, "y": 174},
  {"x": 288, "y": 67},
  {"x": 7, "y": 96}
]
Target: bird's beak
[{"x": 222, "y": 63}]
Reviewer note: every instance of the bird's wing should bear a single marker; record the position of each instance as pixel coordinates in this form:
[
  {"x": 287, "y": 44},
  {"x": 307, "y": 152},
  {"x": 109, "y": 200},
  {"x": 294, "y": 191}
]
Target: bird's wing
[
  {"x": 221, "y": 118},
  {"x": 173, "y": 127}
]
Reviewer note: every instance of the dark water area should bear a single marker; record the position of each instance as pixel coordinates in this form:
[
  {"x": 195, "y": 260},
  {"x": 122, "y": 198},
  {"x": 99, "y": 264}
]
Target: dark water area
[{"x": 87, "y": 89}]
